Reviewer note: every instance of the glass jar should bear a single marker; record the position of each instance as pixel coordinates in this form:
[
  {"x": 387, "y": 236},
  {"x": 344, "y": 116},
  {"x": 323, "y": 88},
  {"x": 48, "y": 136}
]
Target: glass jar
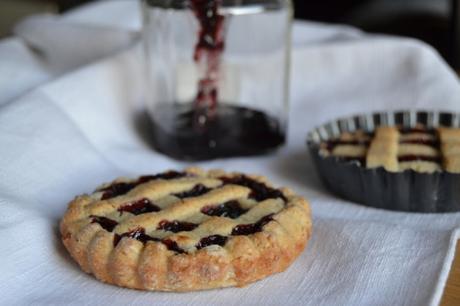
[{"x": 217, "y": 76}]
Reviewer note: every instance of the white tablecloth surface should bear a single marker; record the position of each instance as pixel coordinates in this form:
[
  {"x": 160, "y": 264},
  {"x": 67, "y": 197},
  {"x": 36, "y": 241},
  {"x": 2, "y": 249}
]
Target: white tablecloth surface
[{"x": 66, "y": 125}]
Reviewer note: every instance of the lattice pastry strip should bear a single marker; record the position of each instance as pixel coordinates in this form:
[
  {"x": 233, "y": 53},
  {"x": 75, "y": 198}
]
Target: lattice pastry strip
[
  {"x": 383, "y": 150},
  {"x": 450, "y": 145},
  {"x": 186, "y": 231}
]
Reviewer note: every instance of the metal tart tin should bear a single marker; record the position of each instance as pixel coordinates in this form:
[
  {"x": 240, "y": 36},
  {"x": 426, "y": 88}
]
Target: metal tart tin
[{"x": 408, "y": 191}]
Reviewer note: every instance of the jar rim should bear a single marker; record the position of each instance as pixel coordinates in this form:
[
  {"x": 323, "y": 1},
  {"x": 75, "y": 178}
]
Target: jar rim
[{"x": 182, "y": 4}]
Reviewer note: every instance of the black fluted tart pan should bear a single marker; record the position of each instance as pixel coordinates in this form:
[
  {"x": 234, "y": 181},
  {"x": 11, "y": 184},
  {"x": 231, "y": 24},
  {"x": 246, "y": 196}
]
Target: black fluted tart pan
[{"x": 408, "y": 190}]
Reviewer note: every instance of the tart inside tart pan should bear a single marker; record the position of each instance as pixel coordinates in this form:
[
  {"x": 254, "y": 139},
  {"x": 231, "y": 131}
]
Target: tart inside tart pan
[{"x": 404, "y": 161}]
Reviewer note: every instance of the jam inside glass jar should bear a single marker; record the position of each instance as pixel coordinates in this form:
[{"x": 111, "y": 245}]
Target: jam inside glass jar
[{"x": 217, "y": 76}]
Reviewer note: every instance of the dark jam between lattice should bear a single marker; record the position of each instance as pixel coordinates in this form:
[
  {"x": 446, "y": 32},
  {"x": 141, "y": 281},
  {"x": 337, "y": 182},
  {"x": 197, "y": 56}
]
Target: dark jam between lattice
[
  {"x": 248, "y": 229},
  {"x": 412, "y": 157},
  {"x": 141, "y": 206},
  {"x": 117, "y": 189},
  {"x": 259, "y": 191},
  {"x": 230, "y": 209},
  {"x": 194, "y": 192},
  {"x": 211, "y": 240},
  {"x": 176, "y": 226},
  {"x": 105, "y": 223}
]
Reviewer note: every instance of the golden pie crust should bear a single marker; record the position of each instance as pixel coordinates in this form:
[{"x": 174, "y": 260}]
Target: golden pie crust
[{"x": 124, "y": 233}]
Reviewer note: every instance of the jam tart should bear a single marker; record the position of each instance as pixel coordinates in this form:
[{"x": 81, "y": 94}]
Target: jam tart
[
  {"x": 397, "y": 149},
  {"x": 184, "y": 231}
]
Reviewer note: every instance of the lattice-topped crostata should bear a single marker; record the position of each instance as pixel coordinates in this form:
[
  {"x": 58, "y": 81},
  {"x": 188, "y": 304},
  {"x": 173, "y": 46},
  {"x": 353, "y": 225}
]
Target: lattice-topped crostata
[
  {"x": 191, "y": 230},
  {"x": 397, "y": 149}
]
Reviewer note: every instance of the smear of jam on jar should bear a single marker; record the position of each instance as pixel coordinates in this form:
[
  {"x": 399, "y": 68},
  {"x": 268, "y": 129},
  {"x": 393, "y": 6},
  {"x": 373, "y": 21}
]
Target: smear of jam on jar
[{"x": 208, "y": 50}]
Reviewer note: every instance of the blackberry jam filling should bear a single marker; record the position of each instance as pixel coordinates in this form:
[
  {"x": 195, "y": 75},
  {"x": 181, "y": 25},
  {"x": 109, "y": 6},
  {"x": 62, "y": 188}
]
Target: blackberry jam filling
[
  {"x": 418, "y": 130},
  {"x": 105, "y": 223},
  {"x": 427, "y": 142},
  {"x": 259, "y": 191},
  {"x": 139, "y": 207},
  {"x": 231, "y": 209},
  {"x": 139, "y": 234},
  {"x": 248, "y": 229},
  {"x": 210, "y": 240},
  {"x": 176, "y": 226},
  {"x": 170, "y": 175},
  {"x": 195, "y": 192},
  {"x": 409, "y": 158},
  {"x": 172, "y": 246},
  {"x": 118, "y": 189}
]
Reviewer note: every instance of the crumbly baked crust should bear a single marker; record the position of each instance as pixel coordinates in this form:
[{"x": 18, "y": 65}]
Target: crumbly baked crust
[{"x": 186, "y": 231}]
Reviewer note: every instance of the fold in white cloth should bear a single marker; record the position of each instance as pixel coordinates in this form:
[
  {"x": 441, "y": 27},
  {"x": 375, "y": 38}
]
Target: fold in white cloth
[
  {"x": 20, "y": 69},
  {"x": 69, "y": 135},
  {"x": 47, "y": 46},
  {"x": 66, "y": 45}
]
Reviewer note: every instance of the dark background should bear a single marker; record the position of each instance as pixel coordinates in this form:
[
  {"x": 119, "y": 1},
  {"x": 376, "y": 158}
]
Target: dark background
[{"x": 433, "y": 21}]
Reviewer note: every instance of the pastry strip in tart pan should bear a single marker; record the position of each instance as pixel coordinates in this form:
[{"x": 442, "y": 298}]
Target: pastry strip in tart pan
[{"x": 382, "y": 187}]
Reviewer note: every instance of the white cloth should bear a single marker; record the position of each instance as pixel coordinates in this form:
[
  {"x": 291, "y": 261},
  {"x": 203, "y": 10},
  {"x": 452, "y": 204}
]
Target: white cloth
[
  {"x": 61, "y": 43},
  {"x": 77, "y": 131},
  {"x": 20, "y": 69}
]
